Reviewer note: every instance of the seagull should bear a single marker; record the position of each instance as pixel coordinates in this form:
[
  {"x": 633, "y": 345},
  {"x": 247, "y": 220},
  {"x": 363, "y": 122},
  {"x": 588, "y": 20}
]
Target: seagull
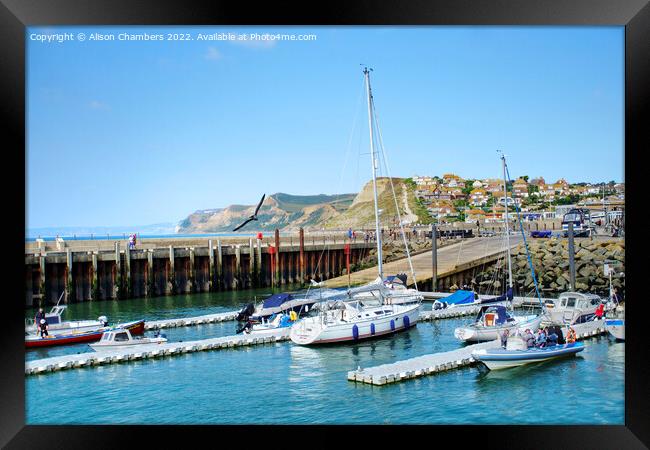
[{"x": 254, "y": 216}]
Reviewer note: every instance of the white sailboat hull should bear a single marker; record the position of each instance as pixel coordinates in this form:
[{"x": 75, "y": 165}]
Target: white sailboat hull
[
  {"x": 477, "y": 333},
  {"x": 311, "y": 331}
]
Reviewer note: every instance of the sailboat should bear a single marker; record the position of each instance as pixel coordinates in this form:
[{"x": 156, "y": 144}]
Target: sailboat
[
  {"x": 359, "y": 315},
  {"x": 493, "y": 320}
]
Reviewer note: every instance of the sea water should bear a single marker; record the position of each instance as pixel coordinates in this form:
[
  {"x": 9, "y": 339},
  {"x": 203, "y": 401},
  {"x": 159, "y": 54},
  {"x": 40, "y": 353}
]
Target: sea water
[{"x": 283, "y": 383}]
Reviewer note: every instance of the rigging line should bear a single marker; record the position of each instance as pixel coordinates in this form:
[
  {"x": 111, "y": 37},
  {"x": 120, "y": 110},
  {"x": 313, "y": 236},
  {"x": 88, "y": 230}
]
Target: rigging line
[
  {"x": 530, "y": 261},
  {"x": 384, "y": 159},
  {"x": 345, "y": 163}
]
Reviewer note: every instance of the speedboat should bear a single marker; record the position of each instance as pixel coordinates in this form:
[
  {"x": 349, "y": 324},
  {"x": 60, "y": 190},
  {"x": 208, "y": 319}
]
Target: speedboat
[
  {"x": 75, "y": 337},
  {"x": 517, "y": 353},
  {"x": 122, "y": 337},
  {"x": 572, "y": 308},
  {"x": 57, "y": 326},
  {"x": 492, "y": 321},
  {"x": 615, "y": 323},
  {"x": 278, "y": 325}
]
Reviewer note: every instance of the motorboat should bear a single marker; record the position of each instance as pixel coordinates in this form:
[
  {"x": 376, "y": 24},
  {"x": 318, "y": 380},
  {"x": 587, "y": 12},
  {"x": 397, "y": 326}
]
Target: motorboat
[
  {"x": 55, "y": 324},
  {"x": 77, "y": 336},
  {"x": 492, "y": 321},
  {"x": 517, "y": 353},
  {"x": 122, "y": 337},
  {"x": 572, "y": 308},
  {"x": 278, "y": 325},
  {"x": 615, "y": 323},
  {"x": 581, "y": 220},
  {"x": 368, "y": 311},
  {"x": 284, "y": 303}
]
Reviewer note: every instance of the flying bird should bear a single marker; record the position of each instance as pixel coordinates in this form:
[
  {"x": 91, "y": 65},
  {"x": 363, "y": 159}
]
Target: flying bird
[{"x": 254, "y": 216}]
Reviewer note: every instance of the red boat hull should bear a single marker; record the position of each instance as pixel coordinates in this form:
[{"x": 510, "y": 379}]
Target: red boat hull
[{"x": 49, "y": 341}]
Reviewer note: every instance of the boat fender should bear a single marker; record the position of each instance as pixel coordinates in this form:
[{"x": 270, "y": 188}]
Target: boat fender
[
  {"x": 355, "y": 332},
  {"x": 392, "y": 325},
  {"x": 407, "y": 322},
  {"x": 372, "y": 329}
]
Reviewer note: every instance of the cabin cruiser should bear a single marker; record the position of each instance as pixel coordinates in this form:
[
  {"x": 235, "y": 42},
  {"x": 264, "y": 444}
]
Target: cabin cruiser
[
  {"x": 122, "y": 337},
  {"x": 582, "y": 225},
  {"x": 492, "y": 321},
  {"x": 573, "y": 307},
  {"x": 56, "y": 326}
]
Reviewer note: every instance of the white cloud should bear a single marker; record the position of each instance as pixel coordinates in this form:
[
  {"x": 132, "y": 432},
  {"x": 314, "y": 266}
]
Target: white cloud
[{"x": 212, "y": 54}]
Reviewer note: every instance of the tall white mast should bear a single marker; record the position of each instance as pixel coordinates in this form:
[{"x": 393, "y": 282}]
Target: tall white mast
[
  {"x": 373, "y": 163},
  {"x": 505, "y": 193}
]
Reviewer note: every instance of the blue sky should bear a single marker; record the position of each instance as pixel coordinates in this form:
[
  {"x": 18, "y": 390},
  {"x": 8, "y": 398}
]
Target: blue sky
[{"x": 124, "y": 132}]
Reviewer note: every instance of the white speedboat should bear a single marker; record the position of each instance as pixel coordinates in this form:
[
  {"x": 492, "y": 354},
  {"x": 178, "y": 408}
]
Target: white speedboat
[
  {"x": 492, "y": 321},
  {"x": 572, "y": 307},
  {"x": 277, "y": 325},
  {"x": 122, "y": 337},
  {"x": 56, "y": 326},
  {"x": 368, "y": 311}
]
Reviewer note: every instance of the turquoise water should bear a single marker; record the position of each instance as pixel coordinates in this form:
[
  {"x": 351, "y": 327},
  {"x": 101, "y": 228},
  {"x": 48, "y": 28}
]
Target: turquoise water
[{"x": 284, "y": 383}]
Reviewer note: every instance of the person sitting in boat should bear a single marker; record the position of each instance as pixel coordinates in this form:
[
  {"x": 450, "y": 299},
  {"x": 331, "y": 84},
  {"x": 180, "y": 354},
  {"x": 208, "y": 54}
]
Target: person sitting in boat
[
  {"x": 552, "y": 337},
  {"x": 541, "y": 338},
  {"x": 571, "y": 336},
  {"x": 529, "y": 338},
  {"x": 42, "y": 327}
]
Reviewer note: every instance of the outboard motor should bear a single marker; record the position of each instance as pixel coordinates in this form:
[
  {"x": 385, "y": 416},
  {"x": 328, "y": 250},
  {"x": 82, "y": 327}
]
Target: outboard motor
[
  {"x": 103, "y": 319},
  {"x": 247, "y": 326},
  {"x": 245, "y": 313},
  {"x": 403, "y": 277}
]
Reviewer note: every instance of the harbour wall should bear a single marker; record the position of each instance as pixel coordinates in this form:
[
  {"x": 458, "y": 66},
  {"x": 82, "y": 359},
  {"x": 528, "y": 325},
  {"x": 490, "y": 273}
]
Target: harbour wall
[{"x": 102, "y": 270}]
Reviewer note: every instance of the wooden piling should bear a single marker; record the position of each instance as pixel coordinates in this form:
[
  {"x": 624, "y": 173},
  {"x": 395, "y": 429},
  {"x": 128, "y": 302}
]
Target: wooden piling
[
  {"x": 211, "y": 269},
  {"x": 68, "y": 273},
  {"x": 150, "y": 278},
  {"x": 192, "y": 271},
  {"x": 219, "y": 265},
  {"x": 172, "y": 271},
  {"x": 41, "y": 287},
  {"x": 302, "y": 255},
  {"x": 117, "y": 286},
  {"x": 434, "y": 258},
  {"x": 258, "y": 266},
  {"x": 94, "y": 291},
  {"x": 251, "y": 262},
  {"x": 127, "y": 270},
  {"x": 237, "y": 278}
]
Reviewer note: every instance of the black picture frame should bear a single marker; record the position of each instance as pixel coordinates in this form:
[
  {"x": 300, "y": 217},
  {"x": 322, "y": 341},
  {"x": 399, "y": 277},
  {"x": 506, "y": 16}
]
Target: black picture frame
[{"x": 16, "y": 15}]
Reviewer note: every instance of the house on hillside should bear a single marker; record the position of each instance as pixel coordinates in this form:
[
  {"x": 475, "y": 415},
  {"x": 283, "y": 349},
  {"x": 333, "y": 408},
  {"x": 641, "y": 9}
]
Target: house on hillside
[
  {"x": 520, "y": 188},
  {"x": 478, "y": 197},
  {"x": 472, "y": 215}
]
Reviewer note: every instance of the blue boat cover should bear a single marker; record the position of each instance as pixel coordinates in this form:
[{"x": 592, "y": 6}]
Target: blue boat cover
[
  {"x": 498, "y": 309},
  {"x": 276, "y": 300},
  {"x": 459, "y": 298}
]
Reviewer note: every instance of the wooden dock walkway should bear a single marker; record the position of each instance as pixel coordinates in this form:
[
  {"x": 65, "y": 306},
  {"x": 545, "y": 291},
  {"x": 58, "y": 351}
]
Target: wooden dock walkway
[{"x": 440, "y": 362}]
